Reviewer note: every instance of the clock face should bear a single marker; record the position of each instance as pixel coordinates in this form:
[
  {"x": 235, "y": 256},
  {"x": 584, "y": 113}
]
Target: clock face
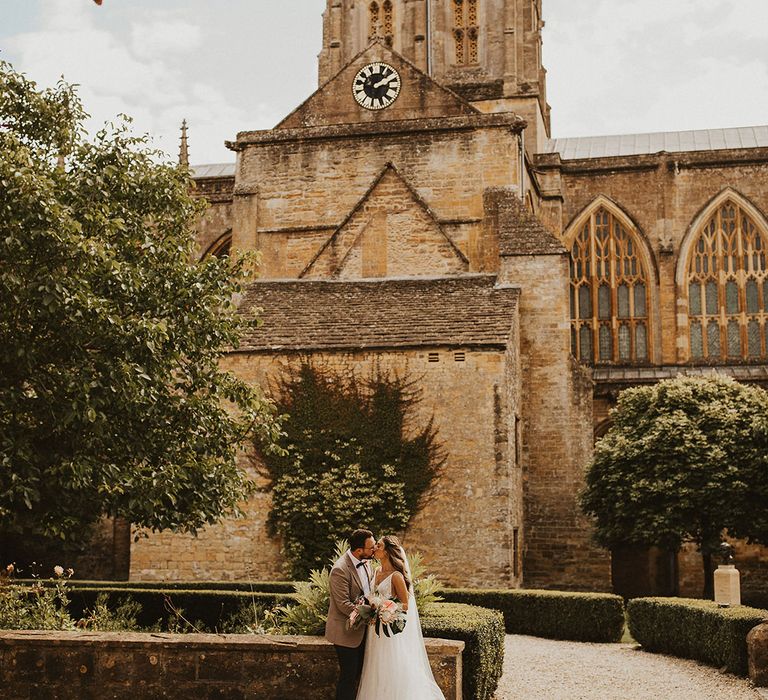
[{"x": 376, "y": 86}]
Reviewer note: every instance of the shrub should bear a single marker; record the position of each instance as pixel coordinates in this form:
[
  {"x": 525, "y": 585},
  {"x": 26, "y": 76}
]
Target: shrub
[
  {"x": 35, "y": 606},
  {"x": 102, "y": 618},
  {"x": 694, "y": 629},
  {"x": 583, "y": 617},
  {"x": 482, "y": 631},
  {"x": 755, "y": 599},
  {"x": 310, "y": 612}
]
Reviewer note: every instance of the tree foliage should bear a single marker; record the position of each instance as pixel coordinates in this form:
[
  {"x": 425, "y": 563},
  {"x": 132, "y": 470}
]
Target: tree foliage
[
  {"x": 685, "y": 460},
  {"x": 352, "y": 458},
  {"x": 112, "y": 400}
]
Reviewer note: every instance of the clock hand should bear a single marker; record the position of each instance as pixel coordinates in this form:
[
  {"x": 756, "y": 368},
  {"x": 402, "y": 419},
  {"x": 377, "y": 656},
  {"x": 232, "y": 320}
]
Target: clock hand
[{"x": 384, "y": 81}]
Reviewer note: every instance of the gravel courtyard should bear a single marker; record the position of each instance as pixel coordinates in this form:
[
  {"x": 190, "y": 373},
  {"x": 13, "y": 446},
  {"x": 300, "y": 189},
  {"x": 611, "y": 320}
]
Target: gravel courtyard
[{"x": 544, "y": 669}]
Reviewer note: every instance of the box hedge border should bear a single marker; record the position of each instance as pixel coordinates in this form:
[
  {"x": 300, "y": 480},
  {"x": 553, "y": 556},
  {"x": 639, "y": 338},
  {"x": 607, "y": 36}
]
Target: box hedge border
[
  {"x": 209, "y": 608},
  {"x": 582, "y": 617},
  {"x": 482, "y": 632},
  {"x": 244, "y": 586},
  {"x": 695, "y": 629}
]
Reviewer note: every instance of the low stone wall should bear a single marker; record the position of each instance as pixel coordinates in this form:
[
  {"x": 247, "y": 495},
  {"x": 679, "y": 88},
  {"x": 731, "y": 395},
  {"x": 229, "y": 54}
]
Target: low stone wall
[
  {"x": 143, "y": 666},
  {"x": 757, "y": 648}
]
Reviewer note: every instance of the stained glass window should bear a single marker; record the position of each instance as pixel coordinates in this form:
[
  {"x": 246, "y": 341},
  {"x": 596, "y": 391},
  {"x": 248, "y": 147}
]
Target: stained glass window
[
  {"x": 726, "y": 274},
  {"x": 608, "y": 278}
]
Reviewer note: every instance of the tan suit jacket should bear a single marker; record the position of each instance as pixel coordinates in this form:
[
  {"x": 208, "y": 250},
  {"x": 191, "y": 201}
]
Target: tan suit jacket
[{"x": 345, "y": 589}]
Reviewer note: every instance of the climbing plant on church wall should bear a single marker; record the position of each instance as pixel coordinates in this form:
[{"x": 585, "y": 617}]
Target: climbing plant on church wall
[{"x": 355, "y": 455}]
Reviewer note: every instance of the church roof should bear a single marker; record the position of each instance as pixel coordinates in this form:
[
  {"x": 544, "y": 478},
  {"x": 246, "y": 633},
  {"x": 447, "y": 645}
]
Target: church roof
[
  {"x": 670, "y": 141},
  {"x": 304, "y": 315},
  {"x": 213, "y": 170},
  {"x": 520, "y": 232}
]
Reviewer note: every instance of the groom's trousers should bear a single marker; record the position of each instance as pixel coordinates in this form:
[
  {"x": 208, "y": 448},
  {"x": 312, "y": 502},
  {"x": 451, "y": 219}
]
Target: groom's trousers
[{"x": 351, "y": 665}]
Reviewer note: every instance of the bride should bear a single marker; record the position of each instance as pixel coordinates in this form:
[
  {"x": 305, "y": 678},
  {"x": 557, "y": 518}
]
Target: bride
[{"x": 396, "y": 667}]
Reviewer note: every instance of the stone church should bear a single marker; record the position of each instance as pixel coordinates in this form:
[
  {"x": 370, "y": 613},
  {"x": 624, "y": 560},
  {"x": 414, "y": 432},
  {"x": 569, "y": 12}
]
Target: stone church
[{"x": 415, "y": 213}]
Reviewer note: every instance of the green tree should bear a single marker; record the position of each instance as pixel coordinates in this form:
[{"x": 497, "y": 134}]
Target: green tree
[
  {"x": 112, "y": 401},
  {"x": 685, "y": 460},
  {"x": 353, "y": 457}
]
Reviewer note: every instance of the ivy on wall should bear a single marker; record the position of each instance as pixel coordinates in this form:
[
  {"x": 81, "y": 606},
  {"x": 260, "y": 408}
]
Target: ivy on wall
[{"x": 354, "y": 455}]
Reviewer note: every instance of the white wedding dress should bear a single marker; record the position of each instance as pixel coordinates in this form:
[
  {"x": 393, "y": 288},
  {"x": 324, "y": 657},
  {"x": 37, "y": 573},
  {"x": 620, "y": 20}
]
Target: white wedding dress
[{"x": 397, "y": 667}]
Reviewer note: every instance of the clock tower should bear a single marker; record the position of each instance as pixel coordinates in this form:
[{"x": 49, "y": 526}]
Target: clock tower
[{"x": 487, "y": 51}]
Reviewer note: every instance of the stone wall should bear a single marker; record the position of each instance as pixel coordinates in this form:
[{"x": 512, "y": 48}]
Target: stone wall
[
  {"x": 104, "y": 555},
  {"x": 465, "y": 530},
  {"x": 132, "y": 666},
  {"x": 557, "y": 433}
]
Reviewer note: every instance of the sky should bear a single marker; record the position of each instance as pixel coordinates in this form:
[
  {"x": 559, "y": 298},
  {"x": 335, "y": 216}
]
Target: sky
[{"x": 614, "y": 66}]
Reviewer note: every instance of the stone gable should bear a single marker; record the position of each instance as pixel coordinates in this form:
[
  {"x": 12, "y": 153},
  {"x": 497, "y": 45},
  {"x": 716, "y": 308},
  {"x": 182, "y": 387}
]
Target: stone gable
[
  {"x": 420, "y": 97},
  {"x": 390, "y": 232}
]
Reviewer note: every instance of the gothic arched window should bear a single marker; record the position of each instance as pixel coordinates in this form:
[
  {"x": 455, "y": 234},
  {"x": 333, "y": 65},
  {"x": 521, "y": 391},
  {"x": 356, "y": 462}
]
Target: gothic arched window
[
  {"x": 381, "y": 21},
  {"x": 610, "y": 293},
  {"x": 220, "y": 248},
  {"x": 465, "y": 31},
  {"x": 728, "y": 287}
]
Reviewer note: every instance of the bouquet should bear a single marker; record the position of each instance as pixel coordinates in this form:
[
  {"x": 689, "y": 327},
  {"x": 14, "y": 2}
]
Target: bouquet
[{"x": 385, "y": 614}]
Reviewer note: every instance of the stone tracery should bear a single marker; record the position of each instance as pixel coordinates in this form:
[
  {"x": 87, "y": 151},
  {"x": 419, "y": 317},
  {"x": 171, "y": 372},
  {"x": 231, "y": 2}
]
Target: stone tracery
[
  {"x": 728, "y": 287},
  {"x": 609, "y": 294},
  {"x": 465, "y": 32}
]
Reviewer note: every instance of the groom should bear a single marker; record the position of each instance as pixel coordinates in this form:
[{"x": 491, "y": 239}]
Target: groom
[{"x": 350, "y": 579}]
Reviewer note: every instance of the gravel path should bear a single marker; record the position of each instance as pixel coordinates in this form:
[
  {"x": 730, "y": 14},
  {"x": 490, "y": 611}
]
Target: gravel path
[{"x": 544, "y": 669}]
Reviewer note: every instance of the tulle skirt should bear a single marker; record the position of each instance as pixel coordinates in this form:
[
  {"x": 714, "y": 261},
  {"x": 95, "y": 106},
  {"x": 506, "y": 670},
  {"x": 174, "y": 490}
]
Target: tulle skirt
[{"x": 397, "y": 668}]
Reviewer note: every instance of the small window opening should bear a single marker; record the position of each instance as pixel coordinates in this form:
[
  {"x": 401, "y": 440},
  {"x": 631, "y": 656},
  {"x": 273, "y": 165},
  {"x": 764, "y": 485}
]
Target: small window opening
[
  {"x": 516, "y": 552},
  {"x": 433, "y": 357},
  {"x": 459, "y": 356}
]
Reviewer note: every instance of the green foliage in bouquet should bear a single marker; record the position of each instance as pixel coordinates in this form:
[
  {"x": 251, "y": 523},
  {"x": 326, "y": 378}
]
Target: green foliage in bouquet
[{"x": 351, "y": 457}]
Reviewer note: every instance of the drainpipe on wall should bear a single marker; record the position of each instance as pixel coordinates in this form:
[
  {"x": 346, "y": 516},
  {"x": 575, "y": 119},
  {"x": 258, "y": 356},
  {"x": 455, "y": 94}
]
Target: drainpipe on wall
[
  {"x": 429, "y": 37},
  {"x": 521, "y": 147}
]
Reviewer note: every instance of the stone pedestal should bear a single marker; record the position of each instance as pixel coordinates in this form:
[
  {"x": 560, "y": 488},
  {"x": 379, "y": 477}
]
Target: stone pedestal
[
  {"x": 757, "y": 648},
  {"x": 727, "y": 586}
]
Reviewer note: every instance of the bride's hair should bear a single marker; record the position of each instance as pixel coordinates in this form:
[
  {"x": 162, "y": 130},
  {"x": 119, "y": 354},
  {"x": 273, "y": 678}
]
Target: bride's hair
[{"x": 394, "y": 549}]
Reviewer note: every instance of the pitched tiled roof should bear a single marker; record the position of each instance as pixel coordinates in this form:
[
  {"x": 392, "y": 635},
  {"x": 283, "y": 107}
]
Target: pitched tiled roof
[
  {"x": 213, "y": 170},
  {"x": 519, "y": 231},
  {"x": 409, "y": 312},
  {"x": 669, "y": 141}
]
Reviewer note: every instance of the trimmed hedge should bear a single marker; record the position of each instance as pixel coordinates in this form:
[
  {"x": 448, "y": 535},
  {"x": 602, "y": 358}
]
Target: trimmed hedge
[
  {"x": 694, "y": 629},
  {"x": 755, "y": 599},
  {"x": 581, "y": 617},
  {"x": 207, "y": 607},
  {"x": 245, "y": 586},
  {"x": 482, "y": 631}
]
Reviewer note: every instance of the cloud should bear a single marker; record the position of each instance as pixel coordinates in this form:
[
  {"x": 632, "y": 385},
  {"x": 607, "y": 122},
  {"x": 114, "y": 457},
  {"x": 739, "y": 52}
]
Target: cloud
[
  {"x": 137, "y": 68},
  {"x": 626, "y": 67},
  {"x": 164, "y": 36}
]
